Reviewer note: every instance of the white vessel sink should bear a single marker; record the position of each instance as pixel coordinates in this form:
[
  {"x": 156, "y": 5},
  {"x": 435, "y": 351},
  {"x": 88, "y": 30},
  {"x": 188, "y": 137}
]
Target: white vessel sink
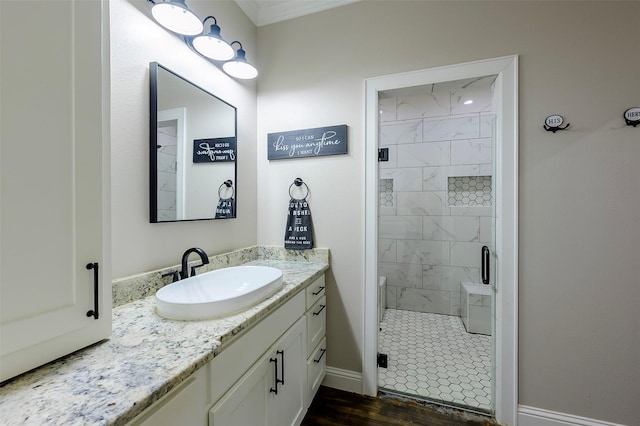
[{"x": 218, "y": 293}]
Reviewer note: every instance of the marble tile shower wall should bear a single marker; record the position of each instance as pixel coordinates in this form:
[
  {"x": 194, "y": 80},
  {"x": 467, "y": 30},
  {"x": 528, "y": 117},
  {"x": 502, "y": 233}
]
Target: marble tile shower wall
[
  {"x": 167, "y": 183},
  {"x": 427, "y": 245}
]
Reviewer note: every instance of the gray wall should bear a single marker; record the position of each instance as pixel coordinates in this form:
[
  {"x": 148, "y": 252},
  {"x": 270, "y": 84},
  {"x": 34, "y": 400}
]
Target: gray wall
[{"x": 579, "y": 190}]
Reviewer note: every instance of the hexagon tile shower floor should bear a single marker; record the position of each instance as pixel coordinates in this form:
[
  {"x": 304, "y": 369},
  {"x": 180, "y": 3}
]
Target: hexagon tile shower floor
[{"x": 432, "y": 356}]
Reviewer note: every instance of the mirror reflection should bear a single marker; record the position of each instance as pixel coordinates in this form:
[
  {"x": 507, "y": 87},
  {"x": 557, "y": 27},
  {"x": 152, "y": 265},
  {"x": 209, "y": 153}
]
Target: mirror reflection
[{"x": 193, "y": 151}]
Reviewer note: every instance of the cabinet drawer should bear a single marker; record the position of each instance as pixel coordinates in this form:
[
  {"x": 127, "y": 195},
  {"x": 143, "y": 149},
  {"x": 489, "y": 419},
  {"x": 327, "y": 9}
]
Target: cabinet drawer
[
  {"x": 316, "y": 368},
  {"x": 316, "y": 324},
  {"x": 315, "y": 291}
]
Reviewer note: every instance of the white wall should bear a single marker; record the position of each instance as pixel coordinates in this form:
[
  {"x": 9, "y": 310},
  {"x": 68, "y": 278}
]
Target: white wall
[
  {"x": 579, "y": 197},
  {"x": 136, "y": 40}
]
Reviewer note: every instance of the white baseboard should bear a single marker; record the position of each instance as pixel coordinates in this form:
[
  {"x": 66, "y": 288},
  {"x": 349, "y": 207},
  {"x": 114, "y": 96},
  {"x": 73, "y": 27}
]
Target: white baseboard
[
  {"x": 345, "y": 380},
  {"x": 530, "y": 416},
  {"x": 351, "y": 381}
]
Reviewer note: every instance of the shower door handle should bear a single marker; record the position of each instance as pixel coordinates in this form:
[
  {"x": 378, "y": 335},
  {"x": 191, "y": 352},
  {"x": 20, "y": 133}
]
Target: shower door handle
[{"x": 485, "y": 265}]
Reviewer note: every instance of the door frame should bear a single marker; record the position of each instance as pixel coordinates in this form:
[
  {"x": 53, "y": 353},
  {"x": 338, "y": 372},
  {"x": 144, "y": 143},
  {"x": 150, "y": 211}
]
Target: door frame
[
  {"x": 506, "y": 231},
  {"x": 179, "y": 115}
]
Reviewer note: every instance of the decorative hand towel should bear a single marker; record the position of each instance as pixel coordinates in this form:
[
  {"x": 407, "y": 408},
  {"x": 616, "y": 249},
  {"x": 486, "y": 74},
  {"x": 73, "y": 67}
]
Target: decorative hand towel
[
  {"x": 226, "y": 208},
  {"x": 298, "y": 233}
]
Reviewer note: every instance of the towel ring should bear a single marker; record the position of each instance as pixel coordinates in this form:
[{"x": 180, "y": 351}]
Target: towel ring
[
  {"x": 228, "y": 184},
  {"x": 298, "y": 182}
]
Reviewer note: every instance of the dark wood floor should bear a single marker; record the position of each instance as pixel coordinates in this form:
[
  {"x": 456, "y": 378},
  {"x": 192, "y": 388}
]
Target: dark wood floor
[{"x": 335, "y": 407}]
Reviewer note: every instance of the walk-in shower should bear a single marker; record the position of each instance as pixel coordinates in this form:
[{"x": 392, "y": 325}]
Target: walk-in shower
[{"x": 436, "y": 218}]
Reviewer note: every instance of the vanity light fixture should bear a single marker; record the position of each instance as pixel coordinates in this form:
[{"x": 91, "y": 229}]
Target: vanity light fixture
[
  {"x": 239, "y": 67},
  {"x": 175, "y": 16},
  {"x": 468, "y": 102},
  {"x": 212, "y": 45}
]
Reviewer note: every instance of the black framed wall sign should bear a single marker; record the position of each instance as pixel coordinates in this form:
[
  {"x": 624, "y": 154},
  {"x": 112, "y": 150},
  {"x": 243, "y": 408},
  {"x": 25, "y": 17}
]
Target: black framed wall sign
[
  {"x": 316, "y": 142},
  {"x": 214, "y": 150}
]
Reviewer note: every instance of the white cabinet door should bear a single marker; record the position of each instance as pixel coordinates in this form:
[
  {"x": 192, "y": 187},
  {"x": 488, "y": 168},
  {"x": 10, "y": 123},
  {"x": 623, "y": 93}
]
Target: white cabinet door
[
  {"x": 253, "y": 400},
  {"x": 54, "y": 179},
  {"x": 183, "y": 405},
  {"x": 287, "y": 407},
  {"x": 246, "y": 403}
]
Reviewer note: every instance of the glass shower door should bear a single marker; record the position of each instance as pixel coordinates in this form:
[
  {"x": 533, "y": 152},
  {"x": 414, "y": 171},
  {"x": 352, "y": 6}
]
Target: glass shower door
[{"x": 436, "y": 213}]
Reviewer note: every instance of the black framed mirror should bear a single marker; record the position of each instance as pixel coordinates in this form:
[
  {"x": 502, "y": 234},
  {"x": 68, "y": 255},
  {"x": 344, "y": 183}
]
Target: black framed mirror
[{"x": 193, "y": 150}]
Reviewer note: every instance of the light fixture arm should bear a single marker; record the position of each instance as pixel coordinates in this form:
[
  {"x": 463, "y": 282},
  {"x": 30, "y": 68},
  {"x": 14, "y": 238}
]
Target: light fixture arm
[
  {"x": 215, "y": 21},
  {"x": 240, "y": 53},
  {"x": 214, "y": 28}
]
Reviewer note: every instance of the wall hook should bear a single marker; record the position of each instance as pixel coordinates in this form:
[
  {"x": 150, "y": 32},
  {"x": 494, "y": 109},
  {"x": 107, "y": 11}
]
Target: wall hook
[
  {"x": 553, "y": 123},
  {"x": 632, "y": 116}
]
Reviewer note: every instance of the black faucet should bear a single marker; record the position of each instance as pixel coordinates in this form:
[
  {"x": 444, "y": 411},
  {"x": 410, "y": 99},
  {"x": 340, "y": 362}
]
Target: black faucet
[
  {"x": 184, "y": 273},
  {"x": 173, "y": 275}
]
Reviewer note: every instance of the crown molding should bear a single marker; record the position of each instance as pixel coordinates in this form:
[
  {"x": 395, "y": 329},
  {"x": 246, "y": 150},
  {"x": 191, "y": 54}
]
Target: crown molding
[{"x": 265, "y": 12}]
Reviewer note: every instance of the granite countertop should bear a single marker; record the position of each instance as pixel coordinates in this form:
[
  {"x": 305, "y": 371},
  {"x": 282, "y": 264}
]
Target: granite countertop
[{"x": 111, "y": 382}]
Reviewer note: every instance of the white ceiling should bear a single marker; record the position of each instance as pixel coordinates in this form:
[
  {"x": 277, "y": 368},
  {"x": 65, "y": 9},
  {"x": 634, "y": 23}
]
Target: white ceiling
[{"x": 265, "y": 12}]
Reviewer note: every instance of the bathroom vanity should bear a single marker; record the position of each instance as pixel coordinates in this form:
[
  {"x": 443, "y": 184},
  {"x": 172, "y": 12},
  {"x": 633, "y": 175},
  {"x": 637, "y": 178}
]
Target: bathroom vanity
[
  {"x": 156, "y": 371},
  {"x": 267, "y": 375}
]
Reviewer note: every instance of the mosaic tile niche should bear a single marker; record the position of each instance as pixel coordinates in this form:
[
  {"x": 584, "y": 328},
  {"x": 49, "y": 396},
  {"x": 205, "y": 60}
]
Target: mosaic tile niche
[
  {"x": 469, "y": 191},
  {"x": 386, "y": 193}
]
